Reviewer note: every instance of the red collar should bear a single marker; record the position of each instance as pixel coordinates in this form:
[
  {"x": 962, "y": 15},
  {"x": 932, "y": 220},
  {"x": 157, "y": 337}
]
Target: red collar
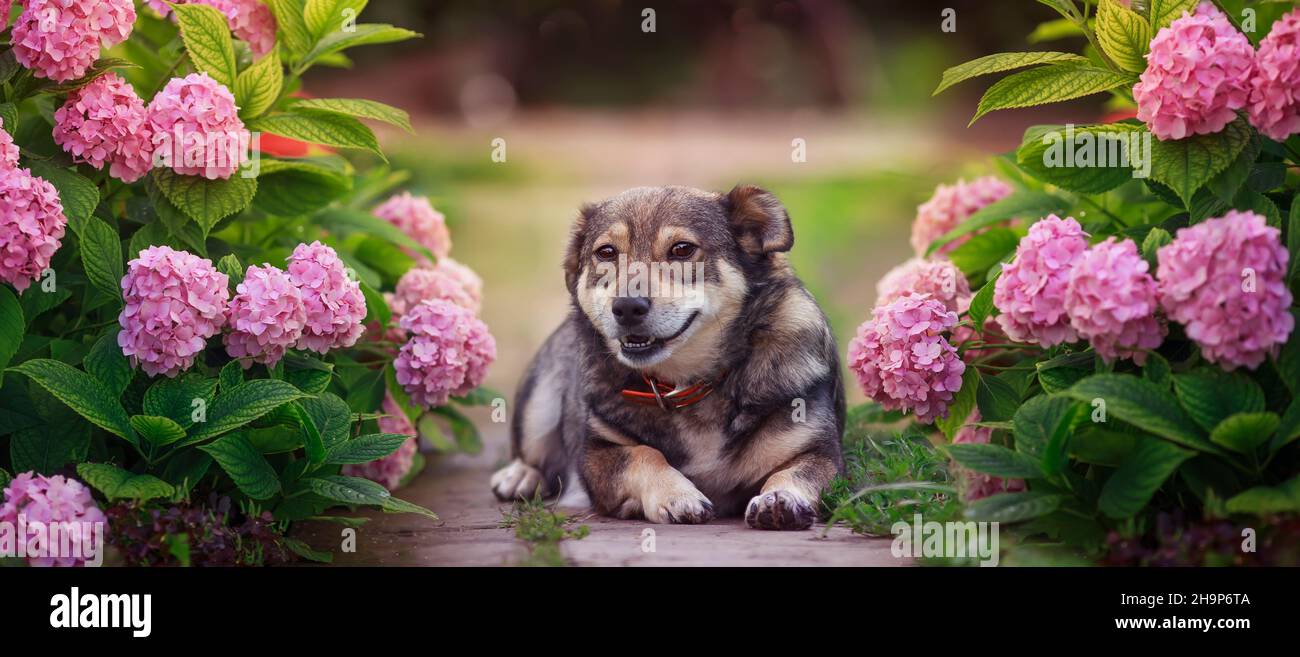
[{"x": 666, "y": 395}]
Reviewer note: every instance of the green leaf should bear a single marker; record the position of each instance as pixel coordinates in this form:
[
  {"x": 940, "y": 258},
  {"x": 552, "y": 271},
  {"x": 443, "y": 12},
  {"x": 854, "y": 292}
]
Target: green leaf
[
  {"x": 963, "y": 403},
  {"x": 431, "y": 431},
  {"x": 1163, "y": 12},
  {"x": 290, "y": 188},
  {"x": 348, "y": 221},
  {"x": 118, "y": 484},
  {"x": 462, "y": 429},
  {"x": 1225, "y": 185},
  {"x": 1210, "y": 395},
  {"x": 404, "y": 402},
  {"x": 1245, "y": 432},
  {"x": 364, "y": 449},
  {"x": 324, "y": 16},
  {"x": 1268, "y": 500},
  {"x": 1289, "y": 427},
  {"x": 997, "y": 399},
  {"x": 12, "y": 326},
  {"x": 1100, "y": 446},
  {"x": 359, "y": 108},
  {"x": 179, "y": 398},
  {"x": 330, "y": 416},
  {"x": 1059, "y": 379},
  {"x": 995, "y": 460},
  {"x": 1293, "y": 241},
  {"x": 318, "y": 127},
  {"x": 348, "y": 490},
  {"x": 258, "y": 87},
  {"x": 5, "y": 478},
  {"x": 156, "y": 429},
  {"x": 9, "y": 117},
  {"x": 101, "y": 254},
  {"x": 1123, "y": 34},
  {"x": 242, "y": 404},
  {"x": 1013, "y": 507},
  {"x": 1072, "y": 157},
  {"x": 982, "y": 251},
  {"x": 78, "y": 195},
  {"x": 1037, "y": 420},
  {"x": 981, "y": 305},
  {"x": 1144, "y": 405},
  {"x": 292, "y": 28},
  {"x": 1157, "y": 370},
  {"x": 306, "y": 551},
  {"x": 1003, "y": 61},
  {"x": 82, "y": 393},
  {"x": 1026, "y": 204},
  {"x": 232, "y": 374},
  {"x": 395, "y": 505},
  {"x": 206, "y": 201},
  {"x": 1048, "y": 84},
  {"x": 364, "y": 34},
  {"x": 207, "y": 39},
  {"x": 46, "y": 450},
  {"x": 245, "y": 465},
  {"x": 106, "y": 363},
  {"x": 1186, "y": 165},
  {"x": 377, "y": 309},
  {"x": 312, "y": 443},
  {"x": 1155, "y": 239},
  {"x": 233, "y": 269},
  {"x": 1139, "y": 476}
]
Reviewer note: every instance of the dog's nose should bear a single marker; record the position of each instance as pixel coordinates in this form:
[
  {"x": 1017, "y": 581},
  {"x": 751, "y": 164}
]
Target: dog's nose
[{"x": 629, "y": 311}]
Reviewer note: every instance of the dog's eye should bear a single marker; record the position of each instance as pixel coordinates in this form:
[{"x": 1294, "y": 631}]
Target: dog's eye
[
  {"x": 606, "y": 252},
  {"x": 682, "y": 250}
]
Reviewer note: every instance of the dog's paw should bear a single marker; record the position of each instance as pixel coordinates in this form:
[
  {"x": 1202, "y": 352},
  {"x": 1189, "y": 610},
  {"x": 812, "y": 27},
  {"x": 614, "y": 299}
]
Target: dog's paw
[
  {"x": 516, "y": 481},
  {"x": 779, "y": 509},
  {"x": 677, "y": 503}
]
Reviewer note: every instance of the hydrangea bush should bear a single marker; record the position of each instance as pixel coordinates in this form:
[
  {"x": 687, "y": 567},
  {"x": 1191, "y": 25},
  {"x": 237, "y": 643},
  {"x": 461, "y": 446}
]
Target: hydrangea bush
[
  {"x": 1121, "y": 346},
  {"x": 186, "y": 320}
]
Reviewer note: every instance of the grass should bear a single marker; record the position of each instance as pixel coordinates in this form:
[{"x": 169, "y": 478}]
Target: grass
[
  {"x": 542, "y": 529},
  {"x": 890, "y": 475}
]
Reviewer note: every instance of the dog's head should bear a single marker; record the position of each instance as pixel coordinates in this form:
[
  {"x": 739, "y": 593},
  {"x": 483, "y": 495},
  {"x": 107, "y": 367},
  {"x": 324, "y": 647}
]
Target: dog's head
[{"x": 663, "y": 272}]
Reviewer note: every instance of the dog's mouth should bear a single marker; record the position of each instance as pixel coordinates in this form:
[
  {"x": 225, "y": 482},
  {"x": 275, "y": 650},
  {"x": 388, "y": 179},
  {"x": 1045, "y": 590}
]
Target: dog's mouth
[{"x": 636, "y": 347}]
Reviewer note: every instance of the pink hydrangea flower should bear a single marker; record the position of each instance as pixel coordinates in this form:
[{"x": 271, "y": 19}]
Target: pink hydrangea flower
[
  {"x": 1197, "y": 77},
  {"x": 196, "y": 128},
  {"x": 267, "y": 316},
  {"x": 31, "y": 226},
  {"x": 60, "y": 39},
  {"x": 1030, "y": 293},
  {"x": 389, "y": 470},
  {"x": 938, "y": 278},
  {"x": 428, "y": 283},
  {"x": 106, "y": 122},
  {"x": 976, "y": 485},
  {"x": 902, "y": 360},
  {"x": 1111, "y": 301},
  {"x": 417, "y": 218},
  {"x": 448, "y": 354},
  {"x": 951, "y": 205},
  {"x": 335, "y": 305},
  {"x": 1224, "y": 280},
  {"x": 50, "y": 500},
  {"x": 250, "y": 20},
  {"x": 174, "y": 302},
  {"x": 470, "y": 281},
  {"x": 1275, "y": 86},
  {"x": 9, "y": 152}
]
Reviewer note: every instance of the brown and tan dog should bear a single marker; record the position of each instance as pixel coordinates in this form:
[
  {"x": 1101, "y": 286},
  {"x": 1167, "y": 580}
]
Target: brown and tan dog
[{"x": 694, "y": 375}]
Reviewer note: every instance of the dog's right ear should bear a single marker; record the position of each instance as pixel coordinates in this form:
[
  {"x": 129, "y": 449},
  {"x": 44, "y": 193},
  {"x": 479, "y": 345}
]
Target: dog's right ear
[{"x": 577, "y": 236}]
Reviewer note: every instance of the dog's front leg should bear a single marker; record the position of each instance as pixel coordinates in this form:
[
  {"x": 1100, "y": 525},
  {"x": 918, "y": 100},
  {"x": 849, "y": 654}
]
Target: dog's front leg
[
  {"x": 789, "y": 497},
  {"x": 631, "y": 480}
]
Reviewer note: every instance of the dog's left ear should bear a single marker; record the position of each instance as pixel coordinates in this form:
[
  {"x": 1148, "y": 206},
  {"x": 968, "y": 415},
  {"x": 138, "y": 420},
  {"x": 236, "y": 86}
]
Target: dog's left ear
[{"x": 758, "y": 220}]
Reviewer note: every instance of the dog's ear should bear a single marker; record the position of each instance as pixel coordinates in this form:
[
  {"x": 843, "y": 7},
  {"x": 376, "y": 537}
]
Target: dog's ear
[
  {"x": 758, "y": 221},
  {"x": 577, "y": 235}
]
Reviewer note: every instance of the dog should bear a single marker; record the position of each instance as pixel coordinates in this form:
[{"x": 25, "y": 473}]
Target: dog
[{"x": 718, "y": 395}]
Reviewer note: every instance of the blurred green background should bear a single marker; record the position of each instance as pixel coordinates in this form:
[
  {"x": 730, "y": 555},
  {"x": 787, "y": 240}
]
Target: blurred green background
[{"x": 589, "y": 104}]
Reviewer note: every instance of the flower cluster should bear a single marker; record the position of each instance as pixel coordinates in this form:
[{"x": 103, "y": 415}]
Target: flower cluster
[
  {"x": 334, "y": 302},
  {"x": 902, "y": 360},
  {"x": 1224, "y": 279},
  {"x": 60, "y": 39},
  {"x": 389, "y": 470},
  {"x": 174, "y": 302},
  {"x": 1275, "y": 87},
  {"x": 448, "y": 353},
  {"x": 105, "y": 122},
  {"x": 31, "y": 221},
  {"x": 938, "y": 278},
  {"x": 951, "y": 205},
  {"x": 267, "y": 316},
  {"x": 1197, "y": 77},
  {"x": 1111, "y": 301},
  {"x": 49, "y": 500},
  {"x": 417, "y": 218},
  {"x": 1030, "y": 293},
  {"x": 196, "y": 129},
  {"x": 427, "y": 284},
  {"x": 976, "y": 485}
]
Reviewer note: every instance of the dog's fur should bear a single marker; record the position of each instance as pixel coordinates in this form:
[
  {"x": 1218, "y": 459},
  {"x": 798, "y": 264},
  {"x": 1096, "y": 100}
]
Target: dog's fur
[{"x": 766, "y": 441}]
